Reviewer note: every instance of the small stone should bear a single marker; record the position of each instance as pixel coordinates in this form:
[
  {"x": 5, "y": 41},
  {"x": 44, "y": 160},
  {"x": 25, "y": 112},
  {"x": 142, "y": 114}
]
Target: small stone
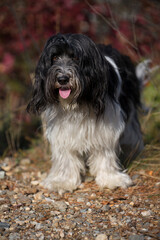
[
  {"x": 157, "y": 185},
  {"x": 61, "y": 234},
  {"x": 131, "y": 203},
  {"x": 81, "y": 186},
  {"x": 2, "y": 174},
  {"x": 38, "y": 196},
  {"x": 93, "y": 196},
  {"x": 4, "y": 225},
  {"x": 19, "y": 222},
  {"x": 136, "y": 237},
  {"x": 23, "y": 199},
  {"x": 4, "y": 207},
  {"x": 35, "y": 183},
  {"x": 146, "y": 213},
  {"x": 27, "y": 209},
  {"x": 7, "y": 168},
  {"x": 25, "y": 161},
  {"x": 49, "y": 200},
  {"x": 89, "y": 179},
  {"x": 14, "y": 236},
  {"x": 54, "y": 213},
  {"x": 113, "y": 221},
  {"x": 106, "y": 207},
  {"x": 80, "y": 200},
  {"x": 102, "y": 237},
  {"x": 60, "y": 205},
  {"x": 134, "y": 177},
  {"x": 40, "y": 236},
  {"x": 38, "y": 226}
]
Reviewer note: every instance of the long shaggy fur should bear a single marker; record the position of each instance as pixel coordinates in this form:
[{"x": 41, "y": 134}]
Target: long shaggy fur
[{"x": 89, "y": 96}]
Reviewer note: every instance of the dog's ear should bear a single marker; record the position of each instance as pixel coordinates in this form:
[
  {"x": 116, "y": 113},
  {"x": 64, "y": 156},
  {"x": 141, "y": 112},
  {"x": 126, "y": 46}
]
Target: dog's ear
[{"x": 37, "y": 103}]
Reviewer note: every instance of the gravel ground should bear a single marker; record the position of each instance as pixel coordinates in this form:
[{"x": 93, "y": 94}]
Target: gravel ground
[{"x": 30, "y": 212}]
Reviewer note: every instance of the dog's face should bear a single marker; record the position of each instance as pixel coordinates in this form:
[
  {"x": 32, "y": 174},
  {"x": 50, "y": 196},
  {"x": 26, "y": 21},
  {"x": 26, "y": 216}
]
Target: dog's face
[
  {"x": 71, "y": 68},
  {"x": 63, "y": 76}
]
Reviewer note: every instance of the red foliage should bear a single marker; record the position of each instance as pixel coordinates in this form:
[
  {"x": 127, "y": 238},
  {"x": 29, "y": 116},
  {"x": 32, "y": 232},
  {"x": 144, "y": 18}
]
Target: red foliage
[
  {"x": 7, "y": 63},
  {"x": 27, "y": 24}
]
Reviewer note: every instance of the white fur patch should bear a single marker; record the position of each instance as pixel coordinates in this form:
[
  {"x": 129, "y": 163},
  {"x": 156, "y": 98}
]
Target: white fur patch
[
  {"x": 75, "y": 133},
  {"x": 111, "y": 61}
]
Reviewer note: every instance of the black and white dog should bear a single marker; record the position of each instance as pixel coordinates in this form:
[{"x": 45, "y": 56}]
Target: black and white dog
[{"x": 88, "y": 96}]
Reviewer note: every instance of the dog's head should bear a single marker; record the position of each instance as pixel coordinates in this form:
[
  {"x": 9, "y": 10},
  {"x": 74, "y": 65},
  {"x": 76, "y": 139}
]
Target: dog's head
[{"x": 72, "y": 69}]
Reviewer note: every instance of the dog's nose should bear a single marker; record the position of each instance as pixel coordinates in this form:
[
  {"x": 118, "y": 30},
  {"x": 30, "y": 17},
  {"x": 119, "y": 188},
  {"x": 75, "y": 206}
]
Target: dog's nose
[{"x": 63, "y": 80}]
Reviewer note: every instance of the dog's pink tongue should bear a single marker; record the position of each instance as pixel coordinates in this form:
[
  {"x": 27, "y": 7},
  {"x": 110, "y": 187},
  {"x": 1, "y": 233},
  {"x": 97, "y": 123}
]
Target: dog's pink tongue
[{"x": 64, "y": 93}]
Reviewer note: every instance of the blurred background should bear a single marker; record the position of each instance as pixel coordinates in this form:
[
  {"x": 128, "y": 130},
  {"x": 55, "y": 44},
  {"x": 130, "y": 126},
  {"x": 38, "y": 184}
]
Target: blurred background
[{"x": 133, "y": 27}]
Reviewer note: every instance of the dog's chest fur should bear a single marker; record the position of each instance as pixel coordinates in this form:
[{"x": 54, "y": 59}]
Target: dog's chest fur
[{"x": 79, "y": 130}]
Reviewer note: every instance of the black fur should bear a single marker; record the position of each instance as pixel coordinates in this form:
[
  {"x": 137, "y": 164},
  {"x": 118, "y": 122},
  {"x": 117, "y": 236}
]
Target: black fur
[
  {"x": 97, "y": 78},
  {"x": 92, "y": 69}
]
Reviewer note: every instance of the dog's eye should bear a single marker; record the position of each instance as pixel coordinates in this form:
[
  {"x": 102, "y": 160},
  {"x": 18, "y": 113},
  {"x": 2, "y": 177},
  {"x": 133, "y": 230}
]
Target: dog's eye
[
  {"x": 55, "y": 58},
  {"x": 76, "y": 59}
]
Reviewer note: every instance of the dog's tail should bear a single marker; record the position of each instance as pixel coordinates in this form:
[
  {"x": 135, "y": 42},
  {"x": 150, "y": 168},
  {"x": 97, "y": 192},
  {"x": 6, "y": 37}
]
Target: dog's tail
[{"x": 145, "y": 73}]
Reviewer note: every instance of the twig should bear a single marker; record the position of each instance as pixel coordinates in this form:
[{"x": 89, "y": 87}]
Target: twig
[
  {"x": 148, "y": 164},
  {"x": 113, "y": 26},
  {"x": 146, "y": 175}
]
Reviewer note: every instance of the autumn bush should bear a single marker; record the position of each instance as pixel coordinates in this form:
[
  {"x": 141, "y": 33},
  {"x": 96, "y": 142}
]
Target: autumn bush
[{"x": 130, "y": 26}]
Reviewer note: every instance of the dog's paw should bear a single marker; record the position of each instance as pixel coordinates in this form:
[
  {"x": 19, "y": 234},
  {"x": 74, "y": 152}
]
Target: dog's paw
[
  {"x": 59, "y": 186},
  {"x": 117, "y": 179}
]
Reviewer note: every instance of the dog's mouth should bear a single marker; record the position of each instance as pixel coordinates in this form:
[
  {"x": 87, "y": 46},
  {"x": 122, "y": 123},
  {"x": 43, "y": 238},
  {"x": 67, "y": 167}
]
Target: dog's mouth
[{"x": 64, "y": 92}]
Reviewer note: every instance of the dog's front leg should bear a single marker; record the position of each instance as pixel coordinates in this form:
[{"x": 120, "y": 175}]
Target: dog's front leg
[
  {"x": 103, "y": 165},
  {"x": 65, "y": 174}
]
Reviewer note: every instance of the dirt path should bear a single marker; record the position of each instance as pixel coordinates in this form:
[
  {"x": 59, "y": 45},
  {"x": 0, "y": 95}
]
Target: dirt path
[{"x": 29, "y": 212}]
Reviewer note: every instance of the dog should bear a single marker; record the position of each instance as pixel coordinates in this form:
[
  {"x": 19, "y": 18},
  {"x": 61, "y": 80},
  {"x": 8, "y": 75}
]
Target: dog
[{"x": 89, "y": 97}]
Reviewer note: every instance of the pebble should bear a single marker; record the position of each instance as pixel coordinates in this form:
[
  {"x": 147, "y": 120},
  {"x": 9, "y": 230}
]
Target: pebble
[
  {"x": 88, "y": 204},
  {"x": 157, "y": 184},
  {"x": 14, "y": 236},
  {"x": 93, "y": 196},
  {"x": 89, "y": 210},
  {"x": 146, "y": 213},
  {"x": 38, "y": 196},
  {"x": 23, "y": 199},
  {"x": 106, "y": 207},
  {"x": 25, "y": 161},
  {"x": 131, "y": 203},
  {"x": 4, "y": 225},
  {"x": 4, "y": 207},
  {"x": 134, "y": 177},
  {"x": 61, "y": 234},
  {"x": 40, "y": 236},
  {"x": 38, "y": 226},
  {"x": 27, "y": 208},
  {"x": 2, "y": 174},
  {"x": 136, "y": 237},
  {"x": 113, "y": 220},
  {"x": 19, "y": 222},
  {"x": 49, "y": 200},
  {"x": 80, "y": 200},
  {"x": 89, "y": 179},
  {"x": 101, "y": 237},
  {"x": 60, "y": 205},
  {"x": 34, "y": 183}
]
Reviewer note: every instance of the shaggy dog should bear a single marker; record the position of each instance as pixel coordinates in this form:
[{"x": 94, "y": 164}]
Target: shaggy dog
[{"x": 88, "y": 95}]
